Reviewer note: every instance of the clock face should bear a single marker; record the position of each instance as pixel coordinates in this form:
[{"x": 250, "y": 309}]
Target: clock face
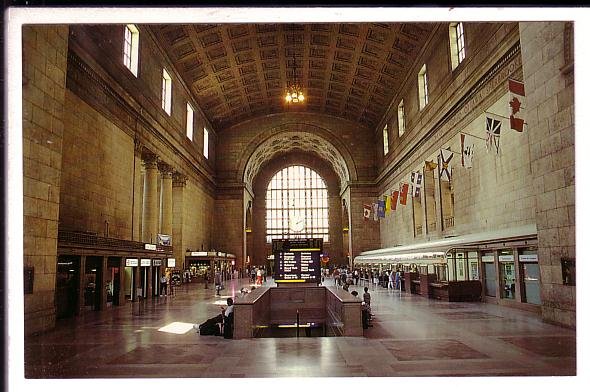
[{"x": 297, "y": 223}]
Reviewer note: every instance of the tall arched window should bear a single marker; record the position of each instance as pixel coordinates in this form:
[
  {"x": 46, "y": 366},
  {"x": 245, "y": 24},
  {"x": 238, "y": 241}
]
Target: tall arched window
[{"x": 296, "y": 205}]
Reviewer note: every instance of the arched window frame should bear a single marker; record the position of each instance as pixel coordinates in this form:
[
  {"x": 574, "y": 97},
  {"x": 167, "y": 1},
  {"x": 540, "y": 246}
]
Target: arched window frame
[{"x": 293, "y": 193}]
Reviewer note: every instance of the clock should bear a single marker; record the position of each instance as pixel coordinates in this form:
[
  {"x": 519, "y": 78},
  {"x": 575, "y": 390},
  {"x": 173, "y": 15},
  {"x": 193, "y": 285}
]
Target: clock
[{"x": 297, "y": 223}]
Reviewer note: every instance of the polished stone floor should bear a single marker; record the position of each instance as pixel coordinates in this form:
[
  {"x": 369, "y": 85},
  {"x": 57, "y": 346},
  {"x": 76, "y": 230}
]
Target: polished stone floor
[{"x": 411, "y": 336}]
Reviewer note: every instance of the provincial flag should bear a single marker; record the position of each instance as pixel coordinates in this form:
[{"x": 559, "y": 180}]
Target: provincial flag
[
  {"x": 493, "y": 126},
  {"x": 403, "y": 194},
  {"x": 467, "y": 150},
  {"x": 366, "y": 211},
  {"x": 516, "y": 102},
  {"x": 444, "y": 165},
  {"x": 394, "y": 197},
  {"x": 375, "y": 212},
  {"x": 430, "y": 165},
  {"x": 416, "y": 180},
  {"x": 381, "y": 208},
  {"x": 387, "y": 203}
]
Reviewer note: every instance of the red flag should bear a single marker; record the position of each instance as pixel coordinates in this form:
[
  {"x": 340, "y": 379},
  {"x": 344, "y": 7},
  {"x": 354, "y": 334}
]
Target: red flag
[
  {"x": 516, "y": 101},
  {"x": 403, "y": 197},
  {"x": 394, "y": 196}
]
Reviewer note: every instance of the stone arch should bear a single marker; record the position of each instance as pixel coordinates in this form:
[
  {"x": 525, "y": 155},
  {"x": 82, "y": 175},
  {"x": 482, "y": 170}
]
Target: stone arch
[{"x": 295, "y": 136}]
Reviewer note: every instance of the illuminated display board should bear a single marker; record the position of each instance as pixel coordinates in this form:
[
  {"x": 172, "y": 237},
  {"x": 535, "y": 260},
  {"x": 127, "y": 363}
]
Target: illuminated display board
[{"x": 297, "y": 260}]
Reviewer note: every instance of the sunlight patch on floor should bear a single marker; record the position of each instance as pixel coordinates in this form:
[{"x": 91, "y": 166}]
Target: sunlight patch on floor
[{"x": 177, "y": 328}]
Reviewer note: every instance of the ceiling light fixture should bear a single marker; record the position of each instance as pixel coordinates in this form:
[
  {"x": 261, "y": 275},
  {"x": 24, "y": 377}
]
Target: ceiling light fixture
[{"x": 294, "y": 92}]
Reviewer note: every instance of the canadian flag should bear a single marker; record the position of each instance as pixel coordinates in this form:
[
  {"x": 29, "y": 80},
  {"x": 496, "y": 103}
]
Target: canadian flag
[
  {"x": 516, "y": 102},
  {"x": 366, "y": 211}
]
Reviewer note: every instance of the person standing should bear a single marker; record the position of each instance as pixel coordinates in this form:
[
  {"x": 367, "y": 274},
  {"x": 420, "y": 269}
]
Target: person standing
[
  {"x": 217, "y": 282},
  {"x": 259, "y": 276},
  {"x": 356, "y": 277},
  {"x": 253, "y": 274},
  {"x": 391, "y": 281},
  {"x": 398, "y": 280},
  {"x": 163, "y": 285}
]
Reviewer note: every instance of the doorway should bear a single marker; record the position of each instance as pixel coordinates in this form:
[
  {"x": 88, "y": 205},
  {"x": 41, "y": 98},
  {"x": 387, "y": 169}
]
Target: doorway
[
  {"x": 91, "y": 283},
  {"x": 66, "y": 286}
]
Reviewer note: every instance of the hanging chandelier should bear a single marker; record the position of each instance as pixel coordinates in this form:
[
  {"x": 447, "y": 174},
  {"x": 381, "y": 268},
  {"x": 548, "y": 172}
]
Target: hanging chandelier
[{"x": 294, "y": 92}]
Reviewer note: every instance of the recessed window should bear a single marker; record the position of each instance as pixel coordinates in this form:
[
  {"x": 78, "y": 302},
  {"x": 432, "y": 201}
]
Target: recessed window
[
  {"x": 385, "y": 140},
  {"x": 206, "y": 143},
  {"x": 131, "y": 48},
  {"x": 423, "y": 87},
  {"x": 189, "y": 121},
  {"x": 297, "y": 205},
  {"x": 457, "y": 42},
  {"x": 401, "y": 118},
  {"x": 166, "y": 92}
]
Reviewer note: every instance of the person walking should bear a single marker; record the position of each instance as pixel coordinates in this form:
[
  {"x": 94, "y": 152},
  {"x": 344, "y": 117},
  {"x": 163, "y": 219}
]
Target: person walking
[
  {"x": 253, "y": 275},
  {"x": 391, "y": 278},
  {"x": 356, "y": 277},
  {"x": 398, "y": 280}
]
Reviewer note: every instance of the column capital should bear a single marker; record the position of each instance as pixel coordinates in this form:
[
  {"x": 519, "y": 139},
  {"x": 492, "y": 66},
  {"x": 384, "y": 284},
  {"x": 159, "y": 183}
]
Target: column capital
[
  {"x": 138, "y": 147},
  {"x": 165, "y": 169},
  {"x": 150, "y": 160},
  {"x": 179, "y": 179}
]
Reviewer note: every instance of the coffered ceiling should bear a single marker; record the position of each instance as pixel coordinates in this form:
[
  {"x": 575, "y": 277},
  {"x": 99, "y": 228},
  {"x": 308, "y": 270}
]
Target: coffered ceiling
[{"x": 240, "y": 71}]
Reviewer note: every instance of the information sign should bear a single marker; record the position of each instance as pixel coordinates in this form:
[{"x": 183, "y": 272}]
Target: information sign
[
  {"x": 131, "y": 262},
  {"x": 297, "y": 260}
]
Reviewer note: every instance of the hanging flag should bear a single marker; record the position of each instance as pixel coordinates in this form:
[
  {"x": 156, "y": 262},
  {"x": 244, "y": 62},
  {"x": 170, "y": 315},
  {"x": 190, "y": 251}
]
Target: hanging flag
[
  {"x": 366, "y": 211},
  {"x": 394, "y": 197},
  {"x": 387, "y": 203},
  {"x": 381, "y": 208},
  {"x": 516, "y": 102},
  {"x": 403, "y": 194},
  {"x": 493, "y": 126},
  {"x": 444, "y": 165},
  {"x": 430, "y": 165},
  {"x": 416, "y": 180},
  {"x": 375, "y": 212},
  {"x": 467, "y": 150}
]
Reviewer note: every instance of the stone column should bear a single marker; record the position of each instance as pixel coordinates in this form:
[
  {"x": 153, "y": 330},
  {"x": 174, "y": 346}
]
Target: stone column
[
  {"x": 122, "y": 281},
  {"x": 81, "y": 287},
  {"x": 137, "y": 185},
  {"x": 166, "y": 201},
  {"x": 149, "y": 227},
  {"x": 178, "y": 187},
  {"x": 102, "y": 283}
]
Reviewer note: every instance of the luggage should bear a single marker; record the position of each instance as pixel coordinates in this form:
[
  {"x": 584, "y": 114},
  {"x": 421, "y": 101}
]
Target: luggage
[{"x": 211, "y": 326}]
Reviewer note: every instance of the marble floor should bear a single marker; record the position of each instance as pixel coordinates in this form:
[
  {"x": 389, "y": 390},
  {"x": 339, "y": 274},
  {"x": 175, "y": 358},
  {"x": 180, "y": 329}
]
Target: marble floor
[{"x": 411, "y": 336}]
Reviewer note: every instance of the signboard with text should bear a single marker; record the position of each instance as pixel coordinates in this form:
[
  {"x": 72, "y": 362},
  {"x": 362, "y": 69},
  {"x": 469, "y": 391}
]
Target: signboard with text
[{"x": 297, "y": 260}]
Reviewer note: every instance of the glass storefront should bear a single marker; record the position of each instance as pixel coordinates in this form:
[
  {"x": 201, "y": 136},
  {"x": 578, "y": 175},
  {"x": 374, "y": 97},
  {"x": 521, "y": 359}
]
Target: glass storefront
[
  {"x": 507, "y": 274},
  {"x": 528, "y": 260},
  {"x": 489, "y": 269},
  {"x": 473, "y": 260}
]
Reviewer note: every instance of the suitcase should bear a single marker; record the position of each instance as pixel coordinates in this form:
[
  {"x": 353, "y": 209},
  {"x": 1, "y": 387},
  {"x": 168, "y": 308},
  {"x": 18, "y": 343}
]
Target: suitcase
[{"x": 211, "y": 326}]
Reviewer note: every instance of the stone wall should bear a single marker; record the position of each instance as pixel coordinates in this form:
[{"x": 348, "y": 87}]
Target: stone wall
[
  {"x": 349, "y": 139},
  {"x": 547, "y": 57},
  {"x": 497, "y": 191},
  {"x": 97, "y": 178},
  {"x": 44, "y": 79}
]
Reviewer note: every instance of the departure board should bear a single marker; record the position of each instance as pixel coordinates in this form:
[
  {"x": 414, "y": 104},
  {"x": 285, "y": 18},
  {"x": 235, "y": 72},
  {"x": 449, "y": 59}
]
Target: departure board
[{"x": 297, "y": 260}]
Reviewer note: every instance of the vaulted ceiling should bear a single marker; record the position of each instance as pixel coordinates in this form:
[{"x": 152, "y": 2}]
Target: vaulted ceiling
[{"x": 240, "y": 71}]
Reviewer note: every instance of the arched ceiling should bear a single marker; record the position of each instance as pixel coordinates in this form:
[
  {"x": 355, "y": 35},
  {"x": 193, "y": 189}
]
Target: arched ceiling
[
  {"x": 289, "y": 141},
  {"x": 240, "y": 71}
]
